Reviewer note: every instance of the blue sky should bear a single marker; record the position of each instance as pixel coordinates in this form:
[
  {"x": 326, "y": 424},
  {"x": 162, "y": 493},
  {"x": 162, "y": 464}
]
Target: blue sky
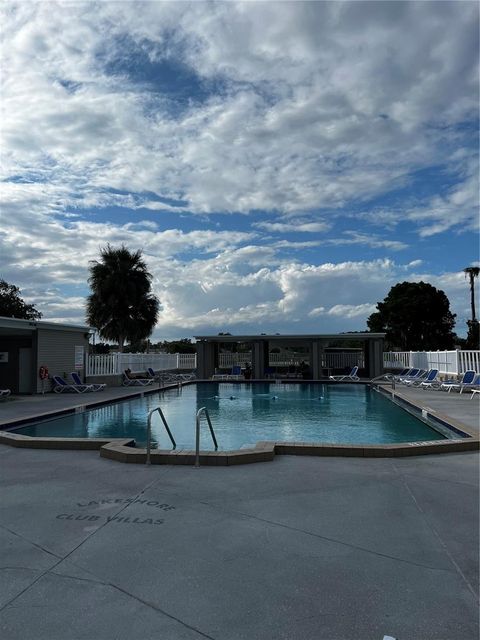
[{"x": 281, "y": 165}]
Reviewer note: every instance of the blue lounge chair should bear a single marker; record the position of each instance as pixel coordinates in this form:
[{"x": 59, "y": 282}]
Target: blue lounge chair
[
  {"x": 151, "y": 373},
  {"x": 4, "y": 393},
  {"x": 412, "y": 375},
  {"x": 425, "y": 377},
  {"x": 349, "y": 376},
  {"x": 396, "y": 376},
  {"x": 93, "y": 386},
  {"x": 235, "y": 374},
  {"x": 468, "y": 381},
  {"x": 135, "y": 382},
  {"x": 60, "y": 386},
  {"x": 431, "y": 381}
]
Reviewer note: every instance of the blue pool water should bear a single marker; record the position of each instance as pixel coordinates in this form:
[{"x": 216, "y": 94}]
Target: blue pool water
[{"x": 244, "y": 414}]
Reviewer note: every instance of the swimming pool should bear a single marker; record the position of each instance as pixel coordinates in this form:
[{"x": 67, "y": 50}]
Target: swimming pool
[{"x": 243, "y": 414}]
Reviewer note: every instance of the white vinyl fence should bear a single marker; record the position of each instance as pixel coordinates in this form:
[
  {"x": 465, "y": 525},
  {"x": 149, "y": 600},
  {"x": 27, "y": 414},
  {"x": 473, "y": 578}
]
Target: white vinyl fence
[
  {"x": 116, "y": 363},
  {"x": 447, "y": 362},
  {"x": 454, "y": 362}
]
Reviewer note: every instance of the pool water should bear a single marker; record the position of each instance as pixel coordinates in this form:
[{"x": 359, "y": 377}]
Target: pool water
[{"x": 244, "y": 414}]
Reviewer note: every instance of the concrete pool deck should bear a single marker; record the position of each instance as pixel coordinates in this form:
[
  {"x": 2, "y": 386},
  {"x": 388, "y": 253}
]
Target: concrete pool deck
[{"x": 303, "y": 548}]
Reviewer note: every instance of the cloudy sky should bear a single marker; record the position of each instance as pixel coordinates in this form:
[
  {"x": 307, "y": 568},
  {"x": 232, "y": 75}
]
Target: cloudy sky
[{"x": 280, "y": 164}]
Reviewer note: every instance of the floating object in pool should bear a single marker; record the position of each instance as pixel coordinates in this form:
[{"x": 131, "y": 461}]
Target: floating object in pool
[
  {"x": 233, "y": 398},
  {"x": 274, "y": 397}
]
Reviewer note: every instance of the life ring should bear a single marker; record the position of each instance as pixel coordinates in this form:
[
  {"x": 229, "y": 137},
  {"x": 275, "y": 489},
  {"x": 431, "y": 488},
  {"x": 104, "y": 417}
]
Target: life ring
[{"x": 43, "y": 373}]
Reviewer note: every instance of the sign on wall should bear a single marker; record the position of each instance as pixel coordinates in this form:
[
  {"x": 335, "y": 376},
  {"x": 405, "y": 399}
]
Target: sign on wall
[{"x": 79, "y": 357}]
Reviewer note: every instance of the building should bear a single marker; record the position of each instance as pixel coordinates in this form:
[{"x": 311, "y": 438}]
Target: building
[
  {"x": 313, "y": 349},
  {"x": 27, "y": 345}
]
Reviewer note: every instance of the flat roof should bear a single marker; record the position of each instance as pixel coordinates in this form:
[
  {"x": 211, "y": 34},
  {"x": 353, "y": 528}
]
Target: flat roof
[
  {"x": 19, "y": 324},
  {"x": 289, "y": 336}
]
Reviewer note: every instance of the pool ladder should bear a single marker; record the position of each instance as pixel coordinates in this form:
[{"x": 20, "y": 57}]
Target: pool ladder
[
  {"x": 384, "y": 379},
  {"x": 149, "y": 431},
  {"x": 167, "y": 428},
  {"x": 197, "y": 434}
]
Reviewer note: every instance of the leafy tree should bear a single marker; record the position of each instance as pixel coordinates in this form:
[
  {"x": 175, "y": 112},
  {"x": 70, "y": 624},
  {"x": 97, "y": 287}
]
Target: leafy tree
[
  {"x": 473, "y": 336},
  {"x": 415, "y": 317},
  {"x": 137, "y": 346},
  {"x": 12, "y": 306},
  {"x": 121, "y": 306},
  {"x": 178, "y": 346},
  {"x": 101, "y": 348}
]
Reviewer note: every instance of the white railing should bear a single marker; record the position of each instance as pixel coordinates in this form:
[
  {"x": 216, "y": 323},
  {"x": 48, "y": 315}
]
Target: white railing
[
  {"x": 343, "y": 360},
  {"x": 116, "y": 363},
  {"x": 229, "y": 360},
  {"x": 330, "y": 360},
  {"x": 453, "y": 362}
]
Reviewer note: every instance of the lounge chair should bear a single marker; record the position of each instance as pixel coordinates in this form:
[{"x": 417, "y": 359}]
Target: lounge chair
[
  {"x": 4, "y": 393},
  {"x": 60, "y": 386},
  {"x": 414, "y": 375},
  {"x": 410, "y": 373},
  {"x": 93, "y": 386},
  {"x": 151, "y": 374},
  {"x": 235, "y": 374},
  {"x": 349, "y": 376},
  {"x": 394, "y": 376},
  {"x": 468, "y": 381},
  {"x": 187, "y": 376},
  {"x": 430, "y": 382},
  {"x": 220, "y": 376},
  {"x": 135, "y": 382},
  {"x": 421, "y": 378}
]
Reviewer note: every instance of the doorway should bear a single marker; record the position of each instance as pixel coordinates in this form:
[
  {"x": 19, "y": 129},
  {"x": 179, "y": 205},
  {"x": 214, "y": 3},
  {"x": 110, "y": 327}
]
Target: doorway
[{"x": 25, "y": 370}]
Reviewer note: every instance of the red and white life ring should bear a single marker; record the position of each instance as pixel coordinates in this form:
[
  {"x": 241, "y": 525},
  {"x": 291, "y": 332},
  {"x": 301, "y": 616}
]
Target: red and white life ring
[{"x": 43, "y": 373}]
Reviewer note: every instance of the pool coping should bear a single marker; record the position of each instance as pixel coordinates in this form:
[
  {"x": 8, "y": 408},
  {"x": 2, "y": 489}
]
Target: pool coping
[{"x": 124, "y": 449}]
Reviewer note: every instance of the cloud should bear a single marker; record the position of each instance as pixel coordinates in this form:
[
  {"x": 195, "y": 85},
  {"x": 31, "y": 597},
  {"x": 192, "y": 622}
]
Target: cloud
[
  {"x": 352, "y": 311},
  {"x": 115, "y": 120},
  {"x": 294, "y": 124},
  {"x": 458, "y": 209},
  {"x": 295, "y": 226},
  {"x": 369, "y": 240}
]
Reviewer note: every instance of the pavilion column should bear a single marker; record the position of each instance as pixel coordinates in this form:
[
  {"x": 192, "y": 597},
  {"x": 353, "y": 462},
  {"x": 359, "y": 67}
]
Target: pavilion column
[
  {"x": 316, "y": 360},
  {"x": 205, "y": 360},
  {"x": 258, "y": 359},
  {"x": 374, "y": 358}
]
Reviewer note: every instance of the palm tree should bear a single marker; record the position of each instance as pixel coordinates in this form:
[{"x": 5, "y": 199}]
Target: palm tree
[
  {"x": 472, "y": 272},
  {"x": 121, "y": 306}
]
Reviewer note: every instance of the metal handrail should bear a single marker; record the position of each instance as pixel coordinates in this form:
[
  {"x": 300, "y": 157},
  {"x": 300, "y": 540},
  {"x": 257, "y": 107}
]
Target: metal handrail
[
  {"x": 197, "y": 434},
  {"x": 149, "y": 431},
  {"x": 385, "y": 379}
]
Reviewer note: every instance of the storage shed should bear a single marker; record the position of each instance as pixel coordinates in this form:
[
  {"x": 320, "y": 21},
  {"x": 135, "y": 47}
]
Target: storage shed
[{"x": 27, "y": 345}]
